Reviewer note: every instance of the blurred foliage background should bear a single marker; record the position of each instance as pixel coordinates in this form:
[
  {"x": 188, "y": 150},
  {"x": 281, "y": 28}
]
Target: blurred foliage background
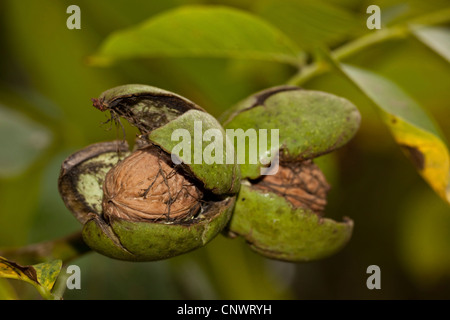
[{"x": 46, "y": 84}]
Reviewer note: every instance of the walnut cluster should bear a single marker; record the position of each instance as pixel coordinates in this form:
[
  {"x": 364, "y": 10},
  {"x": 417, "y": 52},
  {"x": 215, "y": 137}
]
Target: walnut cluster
[
  {"x": 303, "y": 184},
  {"x": 146, "y": 186}
]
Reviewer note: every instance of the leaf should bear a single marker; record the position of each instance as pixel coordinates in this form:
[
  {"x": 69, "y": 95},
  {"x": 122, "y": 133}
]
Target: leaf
[
  {"x": 200, "y": 31},
  {"x": 12, "y": 270},
  {"x": 436, "y": 38},
  {"x": 42, "y": 276},
  {"x": 399, "y": 11},
  {"x": 412, "y": 128},
  {"x": 47, "y": 273},
  {"x": 311, "y": 23},
  {"x": 21, "y": 142}
]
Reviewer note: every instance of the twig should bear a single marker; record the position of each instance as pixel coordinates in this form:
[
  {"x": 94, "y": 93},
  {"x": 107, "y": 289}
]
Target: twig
[
  {"x": 66, "y": 249},
  {"x": 387, "y": 33}
]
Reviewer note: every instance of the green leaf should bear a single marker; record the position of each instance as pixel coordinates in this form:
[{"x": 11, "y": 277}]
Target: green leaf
[
  {"x": 42, "y": 276},
  {"x": 47, "y": 273},
  {"x": 412, "y": 128},
  {"x": 22, "y": 141},
  {"x": 399, "y": 11},
  {"x": 436, "y": 38},
  {"x": 311, "y": 23},
  {"x": 200, "y": 31}
]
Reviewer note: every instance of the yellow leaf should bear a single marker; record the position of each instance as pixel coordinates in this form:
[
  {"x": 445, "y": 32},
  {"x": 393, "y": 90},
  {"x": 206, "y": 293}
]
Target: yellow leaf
[
  {"x": 42, "y": 276},
  {"x": 411, "y": 126},
  {"x": 12, "y": 270},
  {"x": 427, "y": 152}
]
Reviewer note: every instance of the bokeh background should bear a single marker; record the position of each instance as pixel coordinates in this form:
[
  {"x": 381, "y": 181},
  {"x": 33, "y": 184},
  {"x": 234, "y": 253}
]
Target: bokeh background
[{"x": 401, "y": 225}]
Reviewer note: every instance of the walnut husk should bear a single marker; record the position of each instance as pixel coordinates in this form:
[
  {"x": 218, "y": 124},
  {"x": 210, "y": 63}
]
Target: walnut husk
[{"x": 146, "y": 186}]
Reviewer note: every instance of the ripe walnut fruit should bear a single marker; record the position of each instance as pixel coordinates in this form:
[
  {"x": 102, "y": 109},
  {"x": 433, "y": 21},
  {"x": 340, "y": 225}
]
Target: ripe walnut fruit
[
  {"x": 281, "y": 215},
  {"x": 137, "y": 204}
]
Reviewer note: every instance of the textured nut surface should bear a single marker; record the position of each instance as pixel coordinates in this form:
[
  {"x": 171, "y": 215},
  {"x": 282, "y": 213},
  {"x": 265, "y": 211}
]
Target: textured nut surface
[
  {"x": 145, "y": 186},
  {"x": 302, "y": 184}
]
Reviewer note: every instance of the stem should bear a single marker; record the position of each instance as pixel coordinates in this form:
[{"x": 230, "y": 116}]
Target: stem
[
  {"x": 319, "y": 67},
  {"x": 46, "y": 294},
  {"x": 368, "y": 40},
  {"x": 60, "y": 286},
  {"x": 66, "y": 249}
]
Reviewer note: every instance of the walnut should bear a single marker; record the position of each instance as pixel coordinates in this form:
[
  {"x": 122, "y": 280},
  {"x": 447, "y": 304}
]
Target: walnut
[
  {"x": 138, "y": 205},
  {"x": 146, "y": 186},
  {"x": 302, "y": 183}
]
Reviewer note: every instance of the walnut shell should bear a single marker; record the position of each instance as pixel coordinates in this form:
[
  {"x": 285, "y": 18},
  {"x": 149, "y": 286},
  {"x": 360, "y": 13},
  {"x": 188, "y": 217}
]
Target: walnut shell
[
  {"x": 303, "y": 184},
  {"x": 146, "y": 186}
]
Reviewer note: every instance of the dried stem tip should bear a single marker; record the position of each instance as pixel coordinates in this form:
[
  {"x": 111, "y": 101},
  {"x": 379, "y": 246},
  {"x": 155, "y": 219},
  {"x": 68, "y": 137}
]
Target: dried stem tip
[{"x": 145, "y": 186}]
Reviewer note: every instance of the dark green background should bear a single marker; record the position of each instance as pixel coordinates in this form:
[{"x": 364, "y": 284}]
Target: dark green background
[{"x": 46, "y": 114}]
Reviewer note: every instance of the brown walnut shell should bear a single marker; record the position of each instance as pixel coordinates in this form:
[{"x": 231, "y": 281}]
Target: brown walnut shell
[
  {"x": 146, "y": 186},
  {"x": 301, "y": 183}
]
